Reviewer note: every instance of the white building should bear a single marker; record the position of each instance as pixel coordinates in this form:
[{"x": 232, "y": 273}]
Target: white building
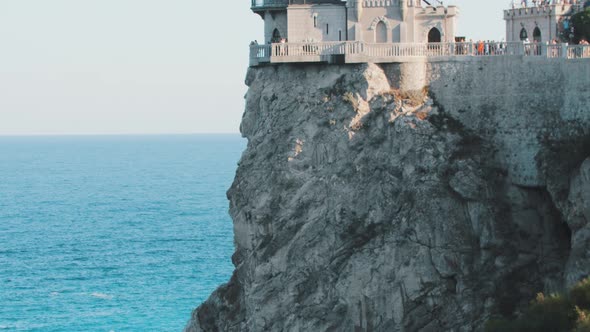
[
  {"x": 370, "y": 21},
  {"x": 540, "y": 23}
]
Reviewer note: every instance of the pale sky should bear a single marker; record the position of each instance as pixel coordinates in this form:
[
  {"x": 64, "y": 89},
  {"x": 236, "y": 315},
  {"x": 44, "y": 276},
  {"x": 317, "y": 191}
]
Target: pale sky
[{"x": 141, "y": 66}]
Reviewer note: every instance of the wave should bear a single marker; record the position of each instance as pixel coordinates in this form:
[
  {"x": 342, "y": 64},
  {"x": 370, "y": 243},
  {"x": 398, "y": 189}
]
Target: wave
[{"x": 102, "y": 296}]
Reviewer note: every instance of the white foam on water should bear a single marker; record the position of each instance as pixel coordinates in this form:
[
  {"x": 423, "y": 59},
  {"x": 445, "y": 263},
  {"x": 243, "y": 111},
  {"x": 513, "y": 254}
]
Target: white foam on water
[{"x": 102, "y": 296}]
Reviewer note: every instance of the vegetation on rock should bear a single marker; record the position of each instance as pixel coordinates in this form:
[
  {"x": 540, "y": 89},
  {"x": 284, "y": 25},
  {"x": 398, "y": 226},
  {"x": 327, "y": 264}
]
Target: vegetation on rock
[
  {"x": 554, "y": 313},
  {"x": 581, "y": 24}
]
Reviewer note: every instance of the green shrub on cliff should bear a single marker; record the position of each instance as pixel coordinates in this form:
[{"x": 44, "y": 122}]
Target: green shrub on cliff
[
  {"x": 583, "y": 323},
  {"x": 581, "y": 24},
  {"x": 555, "y": 313},
  {"x": 580, "y": 294}
]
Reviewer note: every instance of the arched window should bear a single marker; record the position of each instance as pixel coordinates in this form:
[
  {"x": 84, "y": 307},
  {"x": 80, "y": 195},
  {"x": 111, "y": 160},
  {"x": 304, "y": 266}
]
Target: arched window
[
  {"x": 276, "y": 36},
  {"x": 434, "y": 36},
  {"x": 537, "y": 35},
  {"x": 381, "y": 32},
  {"x": 523, "y": 34}
]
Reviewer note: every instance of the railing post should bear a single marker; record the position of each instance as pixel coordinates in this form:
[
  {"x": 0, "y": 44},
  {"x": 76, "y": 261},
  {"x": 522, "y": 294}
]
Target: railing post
[
  {"x": 564, "y": 50},
  {"x": 545, "y": 49}
]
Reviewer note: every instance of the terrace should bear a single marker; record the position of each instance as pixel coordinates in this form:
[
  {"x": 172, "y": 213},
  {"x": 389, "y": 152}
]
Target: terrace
[{"x": 361, "y": 52}]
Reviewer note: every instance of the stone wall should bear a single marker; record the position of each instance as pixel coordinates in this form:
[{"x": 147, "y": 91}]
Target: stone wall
[
  {"x": 523, "y": 96},
  {"x": 330, "y": 23}
]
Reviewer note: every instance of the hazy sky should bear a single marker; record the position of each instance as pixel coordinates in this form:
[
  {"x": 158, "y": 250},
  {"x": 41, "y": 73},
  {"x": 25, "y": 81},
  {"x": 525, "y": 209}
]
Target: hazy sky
[{"x": 141, "y": 66}]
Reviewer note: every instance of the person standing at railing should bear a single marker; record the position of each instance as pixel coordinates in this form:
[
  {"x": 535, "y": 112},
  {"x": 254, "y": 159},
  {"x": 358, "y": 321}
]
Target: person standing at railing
[
  {"x": 282, "y": 47},
  {"x": 585, "y": 48},
  {"x": 553, "y": 47},
  {"x": 480, "y": 48}
]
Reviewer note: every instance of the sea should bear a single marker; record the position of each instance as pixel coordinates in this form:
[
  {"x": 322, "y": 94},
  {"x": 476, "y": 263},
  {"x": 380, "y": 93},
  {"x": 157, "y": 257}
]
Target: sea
[{"x": 113, "y": 233}]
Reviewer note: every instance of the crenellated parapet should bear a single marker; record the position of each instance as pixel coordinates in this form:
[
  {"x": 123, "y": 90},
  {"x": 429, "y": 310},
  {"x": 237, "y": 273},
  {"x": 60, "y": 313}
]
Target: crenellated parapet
[{"x": 537, "y": 11}]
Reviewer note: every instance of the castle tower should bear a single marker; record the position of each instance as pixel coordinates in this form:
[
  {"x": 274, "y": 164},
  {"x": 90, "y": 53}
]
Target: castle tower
[
  {"x": 538, "y": 23},
  {"x": 302, "y": 20}
]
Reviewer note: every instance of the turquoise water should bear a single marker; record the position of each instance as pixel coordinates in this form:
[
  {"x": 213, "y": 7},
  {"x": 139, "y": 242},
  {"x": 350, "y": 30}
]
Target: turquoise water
[{"x": 113, "y": 233}]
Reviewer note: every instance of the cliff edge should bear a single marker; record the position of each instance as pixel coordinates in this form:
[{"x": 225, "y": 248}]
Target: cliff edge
[{"x": 372, "y": 198}]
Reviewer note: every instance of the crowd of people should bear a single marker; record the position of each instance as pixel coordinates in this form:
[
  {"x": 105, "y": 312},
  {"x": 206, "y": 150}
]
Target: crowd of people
[
  {"x": 530, "y": 48},
  {"x": 539, "y": 3}
]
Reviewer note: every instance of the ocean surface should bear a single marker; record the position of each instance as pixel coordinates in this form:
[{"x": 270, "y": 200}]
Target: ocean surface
[{"x": 113, "y": 233}]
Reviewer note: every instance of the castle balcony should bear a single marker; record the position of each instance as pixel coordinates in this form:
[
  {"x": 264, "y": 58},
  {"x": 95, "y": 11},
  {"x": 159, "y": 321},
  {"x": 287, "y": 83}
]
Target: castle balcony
[
  {"x": 361, "y": 52},
  {"x": 264, "y": 5}
]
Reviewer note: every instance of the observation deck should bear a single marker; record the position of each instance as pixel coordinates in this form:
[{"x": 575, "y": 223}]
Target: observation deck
[{"x": 361, "y": 52}]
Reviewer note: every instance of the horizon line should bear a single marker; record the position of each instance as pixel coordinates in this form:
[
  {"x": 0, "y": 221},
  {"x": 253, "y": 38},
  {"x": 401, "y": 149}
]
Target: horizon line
[{"x": 115, "y": 134}]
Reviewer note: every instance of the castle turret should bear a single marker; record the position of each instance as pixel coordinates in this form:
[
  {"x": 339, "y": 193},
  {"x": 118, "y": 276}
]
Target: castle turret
[
  {"x": 403, "y": 4},
  {"x": 355, "y": 9},
  {"x": 302, "y": 20},
  {"x": 262, "y": 6}
]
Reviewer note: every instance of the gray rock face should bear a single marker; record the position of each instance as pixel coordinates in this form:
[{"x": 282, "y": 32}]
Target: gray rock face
[{"x": 359, "y": 207}]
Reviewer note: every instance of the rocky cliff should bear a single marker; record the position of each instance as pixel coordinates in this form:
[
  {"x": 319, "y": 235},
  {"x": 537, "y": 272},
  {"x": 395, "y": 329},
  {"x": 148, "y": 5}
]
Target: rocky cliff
[{"x": 418, "y": 197}]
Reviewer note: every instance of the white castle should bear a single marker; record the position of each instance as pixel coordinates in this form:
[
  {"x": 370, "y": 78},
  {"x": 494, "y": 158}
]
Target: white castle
[
  {"x": 372, "y": 21},
  {"x": 388, "y": 31},
  {"x": 544, "y": 22}
]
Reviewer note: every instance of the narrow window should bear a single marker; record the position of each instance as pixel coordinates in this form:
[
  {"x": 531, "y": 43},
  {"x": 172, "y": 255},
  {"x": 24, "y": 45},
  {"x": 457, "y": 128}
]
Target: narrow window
[
  {"x": 315, "y": 21},
  {"x": 327, "y": 29},
  {"x": 339, "y": 35}
]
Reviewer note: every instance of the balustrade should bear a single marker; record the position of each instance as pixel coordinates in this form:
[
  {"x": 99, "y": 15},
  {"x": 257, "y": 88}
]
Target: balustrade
[
  {"x": 379, "y": 3},
  {"x": 361, "y": 51},
  {"x": 578, "y": 51}
]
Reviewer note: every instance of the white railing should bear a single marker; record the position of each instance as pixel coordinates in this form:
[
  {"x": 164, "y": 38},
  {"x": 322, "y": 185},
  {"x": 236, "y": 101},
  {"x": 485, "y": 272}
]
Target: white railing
[
  {"x": 555, "y": 50},
  {"x": 406, "y": 50},
  {"x": 260, "y": 52},
  {"x": 318, "y": 52},
  {"x": 578, "y": 51},
  {"x": 379, "y": 3},
  {"x": 307, "y": 49}
]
